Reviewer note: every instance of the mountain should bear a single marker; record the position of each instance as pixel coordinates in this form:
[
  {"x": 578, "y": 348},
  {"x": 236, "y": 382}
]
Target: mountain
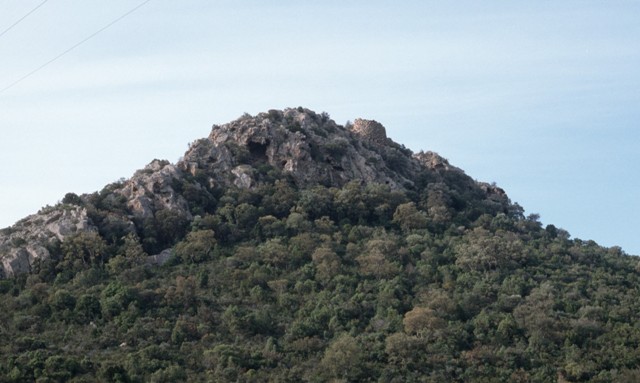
[{"x": 286, "y": 247}]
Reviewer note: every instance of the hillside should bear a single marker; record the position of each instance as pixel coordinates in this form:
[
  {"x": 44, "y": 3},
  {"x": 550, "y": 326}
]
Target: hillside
[{"x": 286, "y": 247}]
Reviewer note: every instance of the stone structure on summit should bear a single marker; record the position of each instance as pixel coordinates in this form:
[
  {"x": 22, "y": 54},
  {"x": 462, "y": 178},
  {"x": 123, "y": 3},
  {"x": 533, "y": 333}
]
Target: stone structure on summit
[{"x": 371, "y": 130}]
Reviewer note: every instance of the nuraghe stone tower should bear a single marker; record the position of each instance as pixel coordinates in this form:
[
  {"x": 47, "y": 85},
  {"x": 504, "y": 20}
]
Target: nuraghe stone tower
[{"x": 371, "y": 130}]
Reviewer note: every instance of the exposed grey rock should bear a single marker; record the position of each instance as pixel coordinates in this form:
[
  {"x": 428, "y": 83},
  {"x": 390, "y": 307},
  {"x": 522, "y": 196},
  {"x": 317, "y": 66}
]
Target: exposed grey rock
[
  {"x": 151, "y": 189},
  {"x": 244, "y": 176},
  {"x": 18, "y": 261},
  {"x": 161, "y": 258},
  {"x": 27, "y": 240},
  {"x": 434, "y": 161},
  {"x": 309, "y": 147}
]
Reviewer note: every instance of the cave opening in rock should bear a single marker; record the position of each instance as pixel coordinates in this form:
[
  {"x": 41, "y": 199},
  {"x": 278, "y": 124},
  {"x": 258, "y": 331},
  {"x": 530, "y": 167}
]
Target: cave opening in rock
[{"x": 258, "y": 150}]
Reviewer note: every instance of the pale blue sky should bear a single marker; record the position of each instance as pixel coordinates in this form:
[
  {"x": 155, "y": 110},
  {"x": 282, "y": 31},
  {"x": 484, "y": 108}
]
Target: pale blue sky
[{"x": 541, "y": 97}]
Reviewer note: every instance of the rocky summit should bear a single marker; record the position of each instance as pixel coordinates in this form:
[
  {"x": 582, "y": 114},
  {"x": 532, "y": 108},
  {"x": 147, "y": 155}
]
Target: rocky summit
[{"x": 297, "y": 144}]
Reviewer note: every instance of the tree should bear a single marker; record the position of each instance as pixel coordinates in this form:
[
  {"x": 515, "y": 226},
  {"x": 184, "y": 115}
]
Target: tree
[
  {"x": 171, "y": 226},
  {"x": 274, "y": 252},
  {"x": 538, "y": 318},
  {"x": 88, "y": 308},
  {"x": 270, "y": 226},
  {"x": 60, "y": 368},
  {"x": 131, "y": 254},
  {"x": 62, "y": 300},
  {"x": 245, "y": 215},
  {"x": 315, "y": 202},
  {"x": 421, "y": 321},
  {"x": 343, "y": 359},
  {"x": 326, "y": 262},
  {"x": 84, "y": 248},
  {"x": 380, "y": 257},
  {"x": 408, "y": 217},
  {"x": 439, "y": 204},
  {"x": 197, "y": 246},
  {"x": 483, "y": 251},
  {"x": 72, "y": 199},
  {"x": 115, "y": 298}
]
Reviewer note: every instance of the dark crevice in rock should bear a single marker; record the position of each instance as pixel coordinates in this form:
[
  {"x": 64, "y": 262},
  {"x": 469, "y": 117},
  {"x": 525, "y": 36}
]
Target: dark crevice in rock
[{"x": 258, "y": 150}]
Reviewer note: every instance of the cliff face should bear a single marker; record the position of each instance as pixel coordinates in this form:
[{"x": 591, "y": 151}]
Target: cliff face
[{"x": 299, "y": 145}]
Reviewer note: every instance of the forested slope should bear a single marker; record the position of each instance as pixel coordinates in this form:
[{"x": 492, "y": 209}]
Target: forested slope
[{"x": 411, "y": 272}]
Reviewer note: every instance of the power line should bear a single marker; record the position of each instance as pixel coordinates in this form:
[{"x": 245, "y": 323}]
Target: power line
[
  {"x": 73, "y": 47},
  {"x": 22, "y": 18}
]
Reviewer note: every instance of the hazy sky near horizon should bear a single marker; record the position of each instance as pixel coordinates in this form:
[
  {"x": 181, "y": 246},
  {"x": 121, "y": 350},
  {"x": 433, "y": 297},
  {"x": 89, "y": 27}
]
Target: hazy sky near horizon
[{"x": 541, "y": 97}]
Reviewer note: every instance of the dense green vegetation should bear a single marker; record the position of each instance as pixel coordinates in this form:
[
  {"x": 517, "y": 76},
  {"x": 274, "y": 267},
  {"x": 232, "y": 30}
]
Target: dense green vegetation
[{"x": 359, "y": 283}]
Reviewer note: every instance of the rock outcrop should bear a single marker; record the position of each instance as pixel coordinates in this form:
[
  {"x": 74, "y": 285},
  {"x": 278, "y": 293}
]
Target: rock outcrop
[
  {"x": 309, "y": 147},
  {"x": 152, "y": 189},
  {"x": 435, "y": 162},
  {"x": 31, "y": 237},
  {"x": 305, "y": 147}
]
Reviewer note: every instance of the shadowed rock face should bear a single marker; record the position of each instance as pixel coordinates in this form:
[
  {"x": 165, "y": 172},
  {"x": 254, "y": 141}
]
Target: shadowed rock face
[{"x": 305, "y": 147}]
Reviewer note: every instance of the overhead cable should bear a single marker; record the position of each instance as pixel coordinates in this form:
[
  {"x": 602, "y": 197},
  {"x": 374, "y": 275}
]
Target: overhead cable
[
  {"x": 22, "y": 18},
  {"x": 73, "y": 47}
]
